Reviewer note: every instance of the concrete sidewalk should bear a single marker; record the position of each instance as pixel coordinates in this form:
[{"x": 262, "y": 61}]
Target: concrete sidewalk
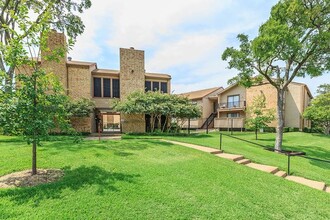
[{"x": 265, "y": 168}]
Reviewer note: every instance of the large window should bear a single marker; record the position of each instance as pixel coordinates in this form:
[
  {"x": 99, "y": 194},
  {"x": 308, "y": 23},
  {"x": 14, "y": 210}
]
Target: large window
[
  {"x": 147, "y": 86},
  {"x": 233, "y": 101},
  {"x": 97, "y": 87},
  {"x": 163, "y": 87},
  {"x": 155, "y": 86},
  {"x": 106, "y": 88},
  {"x": 115, "y": 88}
]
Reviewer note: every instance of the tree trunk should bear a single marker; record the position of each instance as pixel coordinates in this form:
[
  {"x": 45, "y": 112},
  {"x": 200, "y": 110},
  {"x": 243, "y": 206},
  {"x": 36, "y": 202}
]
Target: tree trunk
[
  {"x": 34, "y": 158},
  {"x": 256, "y": 131},
  {"x": 165, "y": 124},
  {"x": 9, "y": 81},
  {"x": 280, "y": 120},
  {"x": 34, "y": 147},
  {"x": 159, "y": 122},
  {"x": 152, "y": 123}
]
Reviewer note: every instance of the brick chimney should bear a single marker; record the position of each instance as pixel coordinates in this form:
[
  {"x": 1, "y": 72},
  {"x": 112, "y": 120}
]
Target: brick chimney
[{"x": 56, "y": 41}]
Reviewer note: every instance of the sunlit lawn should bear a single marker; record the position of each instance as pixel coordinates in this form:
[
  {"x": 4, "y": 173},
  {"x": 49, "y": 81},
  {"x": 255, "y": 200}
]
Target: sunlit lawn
[
  {"x": 314, "y": 145},
  {"x": 149, "y": 179}
]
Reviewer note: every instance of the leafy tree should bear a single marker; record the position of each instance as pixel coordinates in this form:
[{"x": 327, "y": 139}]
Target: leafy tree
[
  {"x": 20, "y": 22},
  {"x": 258, "y": 116},
  {"x": 37, "y": 106},
  {"x": 38, "y": 103},
  {"x": 323, "y": 89},
  {"x": 293, "y": 42},
  {"x": 80, "y": 108},
  {"x": 157, "y": 104},
  {"x": 319, "y": 111}
]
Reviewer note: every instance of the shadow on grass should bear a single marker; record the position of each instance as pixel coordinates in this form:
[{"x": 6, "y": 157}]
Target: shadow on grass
[
  {"x": 121, "y": 148},
  {"x": 74, "y": 179}
]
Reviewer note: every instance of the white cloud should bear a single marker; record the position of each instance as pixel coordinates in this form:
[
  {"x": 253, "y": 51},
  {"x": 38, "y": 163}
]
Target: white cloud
[
  {"x": 182, "y": 38},
  {"x": 144, "y": 23}
]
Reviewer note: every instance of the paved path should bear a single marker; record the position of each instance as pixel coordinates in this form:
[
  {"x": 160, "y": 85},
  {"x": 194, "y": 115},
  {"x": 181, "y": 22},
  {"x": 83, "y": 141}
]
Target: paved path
[
  {"x": 104, "y": 138},
  {"x": 265, "y": 168}
]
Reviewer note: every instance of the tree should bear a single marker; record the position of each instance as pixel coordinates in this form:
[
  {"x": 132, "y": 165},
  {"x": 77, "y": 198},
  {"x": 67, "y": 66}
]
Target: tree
[
  {"x": 80, "y": 108},
  {"x": 319, "y": 111},
  {"x": 157, "y": 104},
  {"x": 323, "y": 89},
  {"x": 20, "y": 22},
  {"x": 38, "y": 105},
  {"x": 258, "y": 115},
  {"x": 293, "y": 42}
]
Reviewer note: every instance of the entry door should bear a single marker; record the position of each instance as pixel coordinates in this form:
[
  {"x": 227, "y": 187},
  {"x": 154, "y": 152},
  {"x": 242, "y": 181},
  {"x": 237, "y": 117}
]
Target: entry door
[{"x": 111, "y": 122}]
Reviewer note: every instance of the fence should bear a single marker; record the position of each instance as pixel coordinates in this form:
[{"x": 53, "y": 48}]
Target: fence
[{"x": 289, "y": 154}]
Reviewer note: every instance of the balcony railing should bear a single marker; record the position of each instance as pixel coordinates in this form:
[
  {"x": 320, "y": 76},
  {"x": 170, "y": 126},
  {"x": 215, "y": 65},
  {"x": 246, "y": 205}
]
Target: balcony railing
[
  {"x": 230, "y": 105},
  {"x": 229, "y": 122}
]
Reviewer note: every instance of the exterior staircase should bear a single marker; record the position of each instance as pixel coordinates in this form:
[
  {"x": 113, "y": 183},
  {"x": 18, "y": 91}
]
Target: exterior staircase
[
  {"x": 265, "y": 168},
  {"x": 209, "y": 121}
]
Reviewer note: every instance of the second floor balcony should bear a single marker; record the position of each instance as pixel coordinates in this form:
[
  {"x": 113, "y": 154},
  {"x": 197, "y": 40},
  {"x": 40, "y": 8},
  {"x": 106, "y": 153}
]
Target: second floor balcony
[{"x": 228, "y": 106}]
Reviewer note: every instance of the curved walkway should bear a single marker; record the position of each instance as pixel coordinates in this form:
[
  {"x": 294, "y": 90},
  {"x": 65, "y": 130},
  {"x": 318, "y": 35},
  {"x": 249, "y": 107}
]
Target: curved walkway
[{"x": 265, "y": 168}]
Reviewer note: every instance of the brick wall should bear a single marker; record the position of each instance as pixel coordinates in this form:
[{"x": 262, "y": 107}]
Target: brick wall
[
  {"x": 55, "y": 41},
  {"x": 79, "y": 82},
  {"x": 132, "y": 78},
  {"x": 270, "y": 94}
]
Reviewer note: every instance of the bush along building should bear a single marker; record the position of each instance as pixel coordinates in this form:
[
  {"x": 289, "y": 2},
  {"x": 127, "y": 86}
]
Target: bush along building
[
  {"x": 232, "y": 104},
  {"x": 104, "y": 86}
]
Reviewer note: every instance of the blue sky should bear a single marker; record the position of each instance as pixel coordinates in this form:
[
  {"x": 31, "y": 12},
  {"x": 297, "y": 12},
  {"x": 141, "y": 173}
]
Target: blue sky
[{"x": 181, "y": 38}]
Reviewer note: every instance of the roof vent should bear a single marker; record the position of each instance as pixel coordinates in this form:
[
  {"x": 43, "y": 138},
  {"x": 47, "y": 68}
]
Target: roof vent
[{"x": 69, "y": 58}]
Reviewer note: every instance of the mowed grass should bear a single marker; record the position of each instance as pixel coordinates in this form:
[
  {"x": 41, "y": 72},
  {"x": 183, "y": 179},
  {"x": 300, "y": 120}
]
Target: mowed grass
[
  {"x": 149, "y": 179},
  {"x": 314, "y": 145}
]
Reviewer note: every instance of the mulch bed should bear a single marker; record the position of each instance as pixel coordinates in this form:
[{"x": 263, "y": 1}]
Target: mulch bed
[{"x": 25, "y": 178}]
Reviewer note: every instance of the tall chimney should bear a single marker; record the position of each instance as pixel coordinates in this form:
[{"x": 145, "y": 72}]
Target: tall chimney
[{"x": 56, "y": 42}]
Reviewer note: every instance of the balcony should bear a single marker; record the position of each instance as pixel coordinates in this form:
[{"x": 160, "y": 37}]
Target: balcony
[
  {"x": 229, "y": 106},
  {"x": 229, "y": 123},
  {"x": 194, "y": 123}
]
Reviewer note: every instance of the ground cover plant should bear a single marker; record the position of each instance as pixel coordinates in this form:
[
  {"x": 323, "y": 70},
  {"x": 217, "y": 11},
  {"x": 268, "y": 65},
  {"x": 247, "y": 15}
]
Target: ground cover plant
[
  {"x": 149, "y": 179},
  {"x": 315, "y": 145}
]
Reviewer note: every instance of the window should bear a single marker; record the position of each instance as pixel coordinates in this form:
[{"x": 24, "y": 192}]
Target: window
[
  {"x": 233, "y": 101},
  {"x": 155, "y": 86},
  {"x": 163, "y": 87},
  {"x": 147, "y": 86},
  {"x": 233, "y": 115},
  {"x": 106, "y": 88},
  {"x": 97, "y": 87},
  {"x": 115, "y": 88}
]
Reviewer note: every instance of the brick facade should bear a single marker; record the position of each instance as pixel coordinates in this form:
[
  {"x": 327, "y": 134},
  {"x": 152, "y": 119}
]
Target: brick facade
[
  {"x": 132, "y": 78},
  {"x": 77, "y": 80},
  {"x": 297, "y": 98}
]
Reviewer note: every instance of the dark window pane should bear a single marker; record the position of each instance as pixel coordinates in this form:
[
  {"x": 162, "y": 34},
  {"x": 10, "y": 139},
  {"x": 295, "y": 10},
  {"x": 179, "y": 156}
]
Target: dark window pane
[
  {"x": 115, "y": 88},
  {"x": 106, "y": 87},
  {"x": 147, "y": 86},
  {"x": 97, "y": 87},
  {"x": 163, "y": 87},
  {"x": 155, "y": 86},
  {"x": 233, "y": 101}
]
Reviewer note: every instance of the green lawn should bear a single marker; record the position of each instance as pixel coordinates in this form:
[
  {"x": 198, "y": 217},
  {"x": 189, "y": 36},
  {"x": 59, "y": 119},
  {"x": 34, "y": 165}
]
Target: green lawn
[
  {"x": 149, "y": 179},
  {"x": 315, "y": 145}
]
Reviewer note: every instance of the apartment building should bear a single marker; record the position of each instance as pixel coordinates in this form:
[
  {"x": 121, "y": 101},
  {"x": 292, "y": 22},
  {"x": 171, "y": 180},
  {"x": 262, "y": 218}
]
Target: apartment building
[
  {"x": 85, "y": 80},
  {"x": 235, "y": 99},
  {"x": 226, "y": 108},
  {"x": 207, "y": 100}
]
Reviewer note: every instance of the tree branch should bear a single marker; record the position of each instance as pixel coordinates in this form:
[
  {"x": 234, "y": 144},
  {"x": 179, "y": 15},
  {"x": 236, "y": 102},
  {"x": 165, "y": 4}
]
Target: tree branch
[{"x": 295, "y": 71}]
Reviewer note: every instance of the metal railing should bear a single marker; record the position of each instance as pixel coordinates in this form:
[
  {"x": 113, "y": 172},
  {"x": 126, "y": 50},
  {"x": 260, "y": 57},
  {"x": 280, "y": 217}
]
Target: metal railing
[
  {"x": 289, "y": 154},
  {"x": 231, "y": 105}
]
